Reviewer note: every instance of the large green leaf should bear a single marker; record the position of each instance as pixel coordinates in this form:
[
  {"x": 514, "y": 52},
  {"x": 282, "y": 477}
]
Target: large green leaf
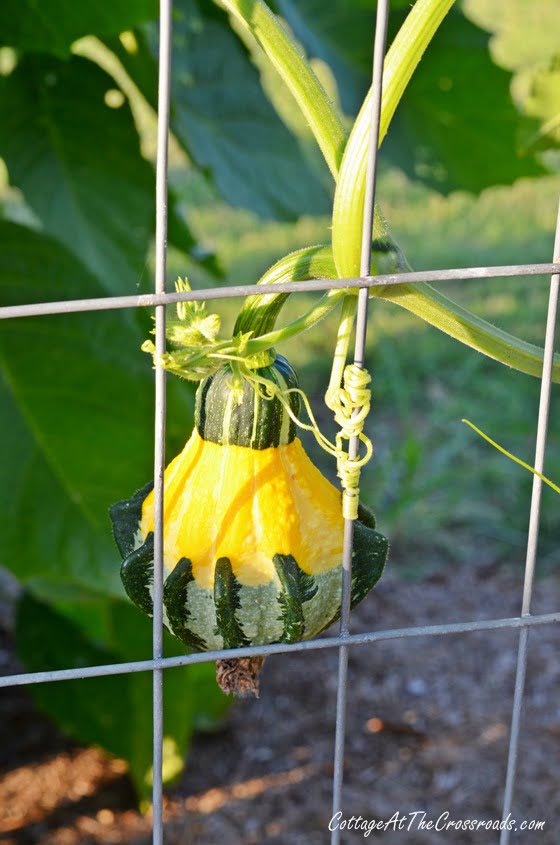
[
  {"x": 48, "y": 538},
  {"x": 79, "y": 166},
  {"x": 114, "y": 712},
  {"x": 457, "y": 126},
  {"x": 77, "y": 419},
  {"x": 52, "y": 27},
  {"x": 222, "y": 117}
]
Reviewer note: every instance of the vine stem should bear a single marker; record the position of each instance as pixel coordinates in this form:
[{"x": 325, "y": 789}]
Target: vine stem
[
  {"x": 401, "y": 61},
  {"x": 324, "y": 121},
  {"x": 345, "y": 327}
]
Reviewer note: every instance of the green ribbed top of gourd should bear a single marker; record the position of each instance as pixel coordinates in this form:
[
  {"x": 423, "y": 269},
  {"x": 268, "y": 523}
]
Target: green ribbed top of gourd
[{"x": 231, "y": 411}]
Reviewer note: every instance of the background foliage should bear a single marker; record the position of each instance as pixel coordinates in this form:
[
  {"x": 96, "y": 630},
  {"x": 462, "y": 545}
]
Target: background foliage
[{"x": 76, "y": 220}]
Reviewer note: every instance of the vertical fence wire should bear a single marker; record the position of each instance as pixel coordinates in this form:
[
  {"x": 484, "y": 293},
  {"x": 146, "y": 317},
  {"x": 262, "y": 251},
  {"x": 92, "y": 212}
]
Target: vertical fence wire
[
  {"x": 164, "y": 75},
  {"x": 533, "y": 536},
  {"x": 359, "y": 360}
]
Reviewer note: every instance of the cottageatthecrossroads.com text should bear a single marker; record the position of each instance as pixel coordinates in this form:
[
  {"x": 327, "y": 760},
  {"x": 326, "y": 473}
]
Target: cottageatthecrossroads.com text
[{"x": 419, "y": 820}]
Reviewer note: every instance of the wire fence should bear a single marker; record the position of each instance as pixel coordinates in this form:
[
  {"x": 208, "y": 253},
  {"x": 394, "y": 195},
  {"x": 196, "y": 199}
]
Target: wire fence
[{"x": 159, "y": 300}]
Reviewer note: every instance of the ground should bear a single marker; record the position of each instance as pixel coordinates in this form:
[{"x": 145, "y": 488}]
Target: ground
[{"x": 428, "y": 723}]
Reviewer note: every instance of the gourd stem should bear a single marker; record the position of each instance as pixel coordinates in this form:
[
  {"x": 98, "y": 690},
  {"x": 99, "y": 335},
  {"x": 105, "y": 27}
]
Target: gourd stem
[
  {"x": 446, "y": 315},
  {"x": 259, "y": 313},
  {"x": 310, "y": 318}
]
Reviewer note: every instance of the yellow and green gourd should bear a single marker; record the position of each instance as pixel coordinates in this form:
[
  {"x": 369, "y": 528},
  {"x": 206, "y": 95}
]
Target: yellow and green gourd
[{"x": 253, "y": 532}]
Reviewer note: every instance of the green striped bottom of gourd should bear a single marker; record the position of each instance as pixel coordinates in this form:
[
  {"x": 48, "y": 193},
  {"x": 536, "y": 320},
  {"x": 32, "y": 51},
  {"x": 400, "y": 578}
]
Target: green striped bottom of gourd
[{"x": 292, "y": 606}]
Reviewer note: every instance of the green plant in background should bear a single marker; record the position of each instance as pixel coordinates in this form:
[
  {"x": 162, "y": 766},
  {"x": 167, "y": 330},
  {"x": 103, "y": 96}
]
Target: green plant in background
[{"x": 76, "y": 397}]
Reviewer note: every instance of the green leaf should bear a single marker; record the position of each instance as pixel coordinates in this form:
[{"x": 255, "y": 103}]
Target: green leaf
[
  {"x": 79, "y": 166},
  {"x": 543, "y": 103},
  {"x": 523, "y": 34},
  {"x": 76, "y": 398},
  {"x": 78, "y": 163},
  {"x": 114, "y": 712},
  {"x": 52, "y": 27},
  {"x": 222, "y": 118},
  {"x": 524, "y": 40},
  {"x": 78, "y": 419},
  {"x": 457, "y": 126},
  {"x": 46, "y": 537}
]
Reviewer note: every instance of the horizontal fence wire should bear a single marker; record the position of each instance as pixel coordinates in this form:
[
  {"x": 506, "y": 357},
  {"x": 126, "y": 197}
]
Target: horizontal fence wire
[
  {"x": 320, "y": 643},
  {"x": 150, "y": 300}
]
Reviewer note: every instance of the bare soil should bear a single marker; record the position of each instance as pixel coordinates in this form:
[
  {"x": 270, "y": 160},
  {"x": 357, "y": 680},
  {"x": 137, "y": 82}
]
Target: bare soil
[{"x": 427, "y": 729}]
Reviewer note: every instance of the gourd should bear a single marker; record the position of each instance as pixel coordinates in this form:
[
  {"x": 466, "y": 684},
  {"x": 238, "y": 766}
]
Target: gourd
[{"x": 253, "y": 532}]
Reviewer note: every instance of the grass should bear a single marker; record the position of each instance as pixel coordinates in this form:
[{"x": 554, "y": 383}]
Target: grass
[{"x": 441, "y": 494}]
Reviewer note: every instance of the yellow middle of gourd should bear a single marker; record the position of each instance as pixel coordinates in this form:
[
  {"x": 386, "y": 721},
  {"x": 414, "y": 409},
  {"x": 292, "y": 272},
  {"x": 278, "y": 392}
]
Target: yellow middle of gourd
[{"x": 247, "y": 505}]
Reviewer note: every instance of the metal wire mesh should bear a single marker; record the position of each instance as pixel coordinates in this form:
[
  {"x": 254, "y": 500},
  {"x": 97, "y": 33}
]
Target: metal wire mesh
[{"x": 524, "y": 622}]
